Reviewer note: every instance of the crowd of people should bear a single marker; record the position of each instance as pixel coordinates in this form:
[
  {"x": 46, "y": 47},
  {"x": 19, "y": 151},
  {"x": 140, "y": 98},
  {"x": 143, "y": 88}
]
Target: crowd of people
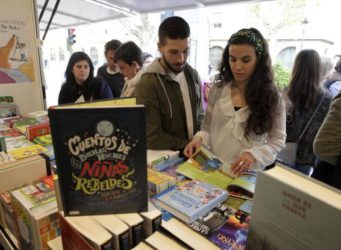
[{"x": 247, "y": 120}]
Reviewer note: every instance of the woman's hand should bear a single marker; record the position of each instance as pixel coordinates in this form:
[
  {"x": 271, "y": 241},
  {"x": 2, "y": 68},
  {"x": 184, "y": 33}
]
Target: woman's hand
[
  {"x": 243, "y": 163},
  {"x": 192, "y": 146}
]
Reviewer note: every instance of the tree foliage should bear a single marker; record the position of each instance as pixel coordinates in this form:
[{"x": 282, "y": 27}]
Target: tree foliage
[
  {"x": 276, "y": 15},
  {"x": 281, "y": 75},
  {"x": 143, "y": 29}
]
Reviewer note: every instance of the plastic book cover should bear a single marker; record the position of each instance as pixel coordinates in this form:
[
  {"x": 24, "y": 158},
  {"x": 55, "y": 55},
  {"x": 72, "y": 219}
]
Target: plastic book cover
[
  {"x": 35, "y": 130},
  {"x": 100, "y": 154},
  {"x": 43, "y": 140},
  {"x": 211, "y": 221},
  {"x": 26, "y": 151},
  {"x": 40, "y": 192},
  {"x": 190, "y": 200}
]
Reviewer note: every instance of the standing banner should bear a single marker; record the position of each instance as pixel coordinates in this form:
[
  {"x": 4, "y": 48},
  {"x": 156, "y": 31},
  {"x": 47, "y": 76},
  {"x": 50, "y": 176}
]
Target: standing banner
[{"x": 20, "y": 73}]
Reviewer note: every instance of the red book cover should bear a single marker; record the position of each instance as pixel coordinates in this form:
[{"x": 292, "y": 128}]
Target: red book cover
[
  {"x": 37, "y": 130},
  {"x": 71, "y": 238},
  {"x": 10, "y": 133}
]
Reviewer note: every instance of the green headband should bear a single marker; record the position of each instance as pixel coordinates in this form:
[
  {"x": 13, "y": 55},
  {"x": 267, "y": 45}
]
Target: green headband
[{"x": 251, "y": 37}]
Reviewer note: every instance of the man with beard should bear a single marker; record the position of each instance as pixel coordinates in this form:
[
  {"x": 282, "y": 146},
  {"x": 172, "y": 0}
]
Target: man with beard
[{"x": 171, "y": 90}]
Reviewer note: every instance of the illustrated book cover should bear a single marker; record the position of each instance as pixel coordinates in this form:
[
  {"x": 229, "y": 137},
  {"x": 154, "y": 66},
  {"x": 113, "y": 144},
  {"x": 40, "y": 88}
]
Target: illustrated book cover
[
  {"x": 233, "y": 234},
  {"x": 100, "y": 153},
  {"x": 190, "y": 200}
]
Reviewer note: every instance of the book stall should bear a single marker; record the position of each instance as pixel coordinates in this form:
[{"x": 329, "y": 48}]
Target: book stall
[{"x": 75, "y": 182}]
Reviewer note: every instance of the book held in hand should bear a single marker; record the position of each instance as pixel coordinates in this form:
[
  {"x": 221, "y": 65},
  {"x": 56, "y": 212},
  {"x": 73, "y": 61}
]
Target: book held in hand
[
  {"x": 100, "y": 151},
  {"x": 190, "y": 200}
]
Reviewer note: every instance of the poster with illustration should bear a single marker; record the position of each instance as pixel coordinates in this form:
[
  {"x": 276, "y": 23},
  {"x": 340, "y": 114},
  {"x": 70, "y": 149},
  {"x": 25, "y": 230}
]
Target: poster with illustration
[{"x": 17, "y": 43}]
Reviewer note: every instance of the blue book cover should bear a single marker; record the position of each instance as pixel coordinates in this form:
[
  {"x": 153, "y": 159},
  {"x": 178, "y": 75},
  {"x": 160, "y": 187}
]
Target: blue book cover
[
  {"x": 233, "y": 234},
  {"x": 191, "y": 199}
]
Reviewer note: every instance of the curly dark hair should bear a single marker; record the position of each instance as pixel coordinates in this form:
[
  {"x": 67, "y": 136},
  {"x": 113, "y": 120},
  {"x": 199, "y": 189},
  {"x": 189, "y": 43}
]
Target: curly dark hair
[{"x": 261, "y": 94}]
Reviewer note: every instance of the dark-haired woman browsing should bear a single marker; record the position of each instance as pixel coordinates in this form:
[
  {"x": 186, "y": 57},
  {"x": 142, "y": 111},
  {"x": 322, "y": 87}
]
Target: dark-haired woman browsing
[
  {"x": 244, "y": 123},
  {"x": 80, "y": 84},
  {"x": 307, "y": 106}
]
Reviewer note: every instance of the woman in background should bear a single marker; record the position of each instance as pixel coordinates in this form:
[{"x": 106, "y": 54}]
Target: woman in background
[
  {"x": 245, "y": 119},
  {"x": 130, "y": 61},
  {"x": 304, "y": 95},
  {"x": 80, "y": 84}
]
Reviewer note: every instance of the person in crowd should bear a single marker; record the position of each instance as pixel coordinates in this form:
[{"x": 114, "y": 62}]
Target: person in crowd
[
  {"x": 147, "y": 58},
  {"x": 80, "y": 84},
  {"x": 244, "y": 124},
  {"x": 334, "y": 82},
  {"x": 307, "y": 105},
  {"x": 326, "y": 68},
  {"x": 327, "y": 146},
  {"x": 129, "y": 60},
  {"x": 171, "y": 90},
  {"x": 110, "y": 71}
]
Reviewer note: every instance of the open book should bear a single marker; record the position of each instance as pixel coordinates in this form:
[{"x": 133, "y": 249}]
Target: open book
[{"x": 207, "y": 167}]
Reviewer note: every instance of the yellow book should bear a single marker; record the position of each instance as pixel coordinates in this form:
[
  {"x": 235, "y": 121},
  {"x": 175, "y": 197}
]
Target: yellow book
[
  {"x": 129, "y": 101},
  {"x": 27, "y": 151}
]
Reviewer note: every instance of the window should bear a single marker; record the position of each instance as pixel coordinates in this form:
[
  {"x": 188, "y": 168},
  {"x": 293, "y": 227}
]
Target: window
[
  {"x": 215, "y": 57},
  {"x": 287, "y": 56},
  {"x": 94, "y": 55},
  {"x": 61, "y": 54},
  {"x": 217, "y": 25}
]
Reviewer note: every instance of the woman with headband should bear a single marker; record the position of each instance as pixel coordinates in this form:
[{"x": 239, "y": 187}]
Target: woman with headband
[{"x": 244, "y": 123}]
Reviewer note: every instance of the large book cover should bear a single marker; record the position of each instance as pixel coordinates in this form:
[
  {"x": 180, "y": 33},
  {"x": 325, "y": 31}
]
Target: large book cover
[
  {"x": 293, "y": 211},
  {"x": 100, "y": 154},
  {"x": 190, "y": 200}
]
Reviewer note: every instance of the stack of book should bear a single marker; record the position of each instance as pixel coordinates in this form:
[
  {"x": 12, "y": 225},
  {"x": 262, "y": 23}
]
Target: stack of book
[
  {"x": 8, "y": 108},
  {"x": 158, "y": 181},
  {"x": 35, "y": 211}
]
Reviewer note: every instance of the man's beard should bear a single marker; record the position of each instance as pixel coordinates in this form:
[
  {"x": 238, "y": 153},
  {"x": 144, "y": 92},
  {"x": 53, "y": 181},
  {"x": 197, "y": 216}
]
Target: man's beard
[{"x": 171, "y": 68}]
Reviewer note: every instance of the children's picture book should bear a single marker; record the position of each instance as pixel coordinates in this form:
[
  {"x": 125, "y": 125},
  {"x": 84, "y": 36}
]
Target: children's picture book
[
  {"x": 190, "y": 200},
  {"x": 43, "y": 140},
  {"x": 39, "y": 129},
  {"x": 26, "y": 151},
  {"x": 206, "y": 167},
  {"x": 100, "y": 153},
  {"x": 40, "y": 191}
]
